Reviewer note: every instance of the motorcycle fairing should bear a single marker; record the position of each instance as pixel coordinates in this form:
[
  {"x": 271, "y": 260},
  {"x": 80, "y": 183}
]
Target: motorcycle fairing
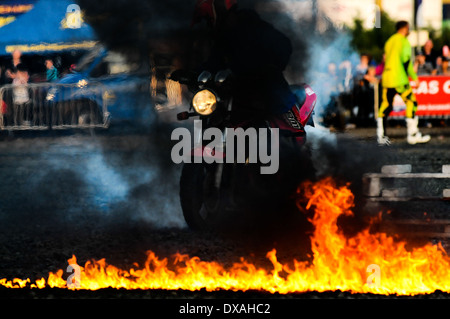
[{"x": 205, "y": 151}]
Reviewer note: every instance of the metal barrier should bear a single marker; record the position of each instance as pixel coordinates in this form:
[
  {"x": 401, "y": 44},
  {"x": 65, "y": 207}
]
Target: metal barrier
[{"x": 42, "y": 106}]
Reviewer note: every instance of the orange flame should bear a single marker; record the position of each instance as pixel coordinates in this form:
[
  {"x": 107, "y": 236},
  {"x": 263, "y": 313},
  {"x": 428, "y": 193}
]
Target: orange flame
[{"x": 364, "y": 263}]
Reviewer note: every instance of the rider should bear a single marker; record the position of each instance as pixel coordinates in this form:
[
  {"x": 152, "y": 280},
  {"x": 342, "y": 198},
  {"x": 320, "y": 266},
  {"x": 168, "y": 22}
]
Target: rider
[{"x": 257, "y": 54}]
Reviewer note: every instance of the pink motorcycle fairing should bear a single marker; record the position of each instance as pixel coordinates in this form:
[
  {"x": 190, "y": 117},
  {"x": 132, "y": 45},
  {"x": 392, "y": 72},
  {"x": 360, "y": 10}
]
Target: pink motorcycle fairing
[
  {"x": 307, "y": 102},
  {"x": 205, "y": 151}
]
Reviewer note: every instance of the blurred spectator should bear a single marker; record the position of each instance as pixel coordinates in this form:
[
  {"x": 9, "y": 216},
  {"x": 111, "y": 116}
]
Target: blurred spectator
[
  {"x": 445, "y": 52},
  {"x": 11, "y": 68},
  {"x": 52, "y": 72},
  {"x": 443, "y": 67},
  {"x": 380, "y": 67},
  {"x": 365, "y": 97},
  {"x": 21, "y": 97},
  {"x": 363, "y": 64},
  {"x": 2, "y": 75},
  {"x": 332, "y": 81},
  {"x": 328, "y": 81},
  {"x": 371, "y": 76},
  {"x": 430, "y": 54},
  {"x": 345, "y": 73},
  {"x": 362, "y": 67},
  {"x": 422, "y": 67},
  {"x": 438, "y": 64}
]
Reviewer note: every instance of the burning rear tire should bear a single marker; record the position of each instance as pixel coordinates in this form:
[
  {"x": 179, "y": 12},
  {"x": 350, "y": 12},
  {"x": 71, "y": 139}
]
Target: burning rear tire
[{"x": 200, "y": 200}]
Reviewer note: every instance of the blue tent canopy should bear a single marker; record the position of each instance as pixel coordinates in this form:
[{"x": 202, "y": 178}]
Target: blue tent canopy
[{"x": 44, "y": 29}]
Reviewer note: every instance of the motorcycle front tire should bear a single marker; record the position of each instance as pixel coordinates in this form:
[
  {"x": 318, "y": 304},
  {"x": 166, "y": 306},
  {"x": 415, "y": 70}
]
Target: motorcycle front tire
[{"x": 196, "y": 188}]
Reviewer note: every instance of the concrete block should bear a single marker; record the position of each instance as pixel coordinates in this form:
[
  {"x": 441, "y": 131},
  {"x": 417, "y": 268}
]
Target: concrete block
[
  {"x": 396, "y": 192},
  {"x": 446, "y": 169},
  {"x": 396, "y": 169},
  {"x": 446, "y": 193},
  {"x": 372, "y": 186}
]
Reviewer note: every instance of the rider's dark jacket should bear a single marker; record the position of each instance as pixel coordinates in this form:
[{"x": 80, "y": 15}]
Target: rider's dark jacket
[{"x": 257, "y": 54}]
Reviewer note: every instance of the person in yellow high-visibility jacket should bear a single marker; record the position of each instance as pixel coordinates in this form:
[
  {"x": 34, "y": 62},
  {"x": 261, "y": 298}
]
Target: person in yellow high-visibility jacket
[{"x": 395, "y": 80}]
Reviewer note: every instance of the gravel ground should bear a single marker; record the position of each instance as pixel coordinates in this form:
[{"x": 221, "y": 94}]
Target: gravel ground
[{"x": 114, "y": 195}]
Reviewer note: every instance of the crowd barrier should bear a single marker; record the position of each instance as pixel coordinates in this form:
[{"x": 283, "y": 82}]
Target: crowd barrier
[
  {"x": 41, "y": 106},
  {"x": 433, "y": 98}
]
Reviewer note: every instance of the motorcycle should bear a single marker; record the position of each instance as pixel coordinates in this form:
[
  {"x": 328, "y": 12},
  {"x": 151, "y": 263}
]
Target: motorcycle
[{"x": 216, "y": 188}]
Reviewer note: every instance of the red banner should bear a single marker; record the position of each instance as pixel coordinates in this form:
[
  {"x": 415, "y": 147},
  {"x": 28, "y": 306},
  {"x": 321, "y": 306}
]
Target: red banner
[{"x": 433, "y": 98}]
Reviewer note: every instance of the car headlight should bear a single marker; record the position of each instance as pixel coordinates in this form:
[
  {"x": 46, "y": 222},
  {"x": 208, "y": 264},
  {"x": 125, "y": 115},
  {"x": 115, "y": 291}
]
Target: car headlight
[
  {"x": 82, "y": 83},
  {"x": 51, "y": 94},
  {"x": 204, "y": 102}
]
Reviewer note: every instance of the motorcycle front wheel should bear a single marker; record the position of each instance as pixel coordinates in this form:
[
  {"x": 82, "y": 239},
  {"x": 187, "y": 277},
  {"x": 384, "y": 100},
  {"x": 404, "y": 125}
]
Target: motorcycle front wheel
[{"x": 200, "y": 198}]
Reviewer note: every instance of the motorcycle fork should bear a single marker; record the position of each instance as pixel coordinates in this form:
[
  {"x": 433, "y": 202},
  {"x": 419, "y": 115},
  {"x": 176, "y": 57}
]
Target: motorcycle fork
[
  {"x": 218, "y": 175},
  {"x": 226, "y": 183},
  {"x": 219, "y": 167}
]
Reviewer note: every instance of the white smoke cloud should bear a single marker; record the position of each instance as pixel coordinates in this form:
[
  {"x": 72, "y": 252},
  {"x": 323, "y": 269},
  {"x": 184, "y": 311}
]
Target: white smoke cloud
[{"x": 104, "y": 182}]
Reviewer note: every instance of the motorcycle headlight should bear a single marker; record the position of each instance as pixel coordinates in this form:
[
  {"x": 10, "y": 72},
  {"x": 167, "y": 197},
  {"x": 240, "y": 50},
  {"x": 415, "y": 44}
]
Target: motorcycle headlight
[{"x": 204, "y": 102}]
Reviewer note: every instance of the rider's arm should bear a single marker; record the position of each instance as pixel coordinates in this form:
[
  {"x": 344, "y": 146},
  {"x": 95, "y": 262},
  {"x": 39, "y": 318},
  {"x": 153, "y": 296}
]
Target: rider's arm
[{"x": 406, "y": 60}]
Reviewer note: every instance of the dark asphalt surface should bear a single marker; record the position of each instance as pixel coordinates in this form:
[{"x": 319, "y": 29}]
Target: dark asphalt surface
[{"x": 114, "y": 195}]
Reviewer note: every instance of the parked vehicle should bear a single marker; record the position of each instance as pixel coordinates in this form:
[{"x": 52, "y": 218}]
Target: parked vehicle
[{"x": 104, "y": 86}]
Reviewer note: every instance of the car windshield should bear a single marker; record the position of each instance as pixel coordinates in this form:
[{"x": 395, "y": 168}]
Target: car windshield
[
  {"x": 87, "y": 59},
  {"x": 111, "y": 63},
  {"x": 118, "y": 63}
]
